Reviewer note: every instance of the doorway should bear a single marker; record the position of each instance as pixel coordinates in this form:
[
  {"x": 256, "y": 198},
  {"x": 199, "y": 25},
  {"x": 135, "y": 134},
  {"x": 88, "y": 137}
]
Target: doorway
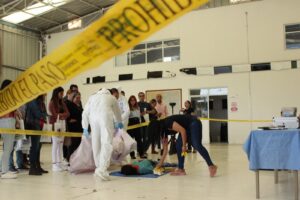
[
  {"x": 212, "y": 103},
  {"x": 218, "y": 109}
]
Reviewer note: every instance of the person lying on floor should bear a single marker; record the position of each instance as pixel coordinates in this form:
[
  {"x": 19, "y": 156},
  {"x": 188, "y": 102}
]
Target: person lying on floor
[{"x": 143, "y": 167}]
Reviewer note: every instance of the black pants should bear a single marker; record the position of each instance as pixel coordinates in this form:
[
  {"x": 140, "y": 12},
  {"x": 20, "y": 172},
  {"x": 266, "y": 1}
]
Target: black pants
[
  {"x": 66, "y": 153},
  {"x": 153, "y": 130},
  {"x": 39, "y": 155},
  {"x": 75, "y": 142},
  {"x": 137, "y": 135},
  {"x": 34, "y": 150}
]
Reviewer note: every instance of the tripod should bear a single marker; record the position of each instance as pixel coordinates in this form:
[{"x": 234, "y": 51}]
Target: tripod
[{"x": 172, "y": 140}]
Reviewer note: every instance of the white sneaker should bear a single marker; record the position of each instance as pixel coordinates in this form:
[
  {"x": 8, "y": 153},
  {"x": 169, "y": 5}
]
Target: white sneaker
[
  {"x": 65, "y": 162},
  {"x": 9, "y": 175},
  {"x": 102, "y": 175},
  {"x": 63, "y": 166},
  {"x": 56, "y": 168}
]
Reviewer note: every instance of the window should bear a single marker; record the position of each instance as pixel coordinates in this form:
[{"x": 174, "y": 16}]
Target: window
[
  {"x": 151, "y": 52},
  {"x": 223, "y": 69},
  {"x": 294, "y": 64},
  {"x": 292, "y": 36},
  {"x": 260, "y": 66}
]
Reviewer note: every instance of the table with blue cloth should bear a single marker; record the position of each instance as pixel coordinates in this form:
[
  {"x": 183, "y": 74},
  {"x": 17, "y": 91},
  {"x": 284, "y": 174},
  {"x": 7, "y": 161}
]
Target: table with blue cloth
[{"x": 274, "y": 150}]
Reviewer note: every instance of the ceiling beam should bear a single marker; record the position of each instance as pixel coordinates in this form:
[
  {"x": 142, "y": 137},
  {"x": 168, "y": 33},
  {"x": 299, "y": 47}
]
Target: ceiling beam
[
  {"x": 93, "y": 13},
  {"x": 58, "y": 8},
  {"x": 9, "y": 8},
  {"x": 90, "y": 4}
]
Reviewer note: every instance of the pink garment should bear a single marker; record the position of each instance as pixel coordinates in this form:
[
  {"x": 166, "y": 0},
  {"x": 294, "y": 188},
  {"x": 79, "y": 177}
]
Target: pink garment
[
  {"x": 123, "y": 144},
  {"x": 162, "y": 108},
  {"x": 55, "y": 112},
  {"x": 82, "y": 159}
]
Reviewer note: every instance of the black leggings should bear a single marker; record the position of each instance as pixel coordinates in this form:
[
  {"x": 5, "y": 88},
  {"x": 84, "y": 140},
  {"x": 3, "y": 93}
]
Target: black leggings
[
  {"x": 136, "y": 134},
  {"x": 153, "y": 132}
]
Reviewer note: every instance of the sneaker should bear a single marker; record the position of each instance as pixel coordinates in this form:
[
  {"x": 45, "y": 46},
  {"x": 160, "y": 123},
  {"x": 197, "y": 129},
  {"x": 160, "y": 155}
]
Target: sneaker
[
  {"x": 13, "y": 170},
  {"x": 65, "y": 162},
  {"x": 35, "y": 172},
  {"x": 56, "y": 168},
  {"x": 9, "y": 175},
  {"x": 212, "y": 170},
  {"x": 63, "y": 166},
  {"x": 42, "y": 170}
]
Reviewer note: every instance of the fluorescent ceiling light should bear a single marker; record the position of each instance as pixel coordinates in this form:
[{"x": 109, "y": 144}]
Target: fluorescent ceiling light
[
  {"x": 74, "y": 24},
  {"x": 35, "y": 9},
  {"x": 17, "y": 17}
]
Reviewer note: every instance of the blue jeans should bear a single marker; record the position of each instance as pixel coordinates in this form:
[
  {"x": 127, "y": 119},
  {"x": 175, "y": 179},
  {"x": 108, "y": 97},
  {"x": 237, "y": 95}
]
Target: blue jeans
[
  {"x": 8, "y": 142},
  {"x": 195, "y": 133},
  {"x": 19, "y": 156}
]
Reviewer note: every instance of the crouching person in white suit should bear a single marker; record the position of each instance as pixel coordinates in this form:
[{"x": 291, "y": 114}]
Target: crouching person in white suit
[{"x": 100, "y": 112}]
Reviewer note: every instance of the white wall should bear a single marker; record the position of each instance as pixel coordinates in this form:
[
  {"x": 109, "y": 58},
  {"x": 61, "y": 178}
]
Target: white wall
[{"x": 220, "y": 36}]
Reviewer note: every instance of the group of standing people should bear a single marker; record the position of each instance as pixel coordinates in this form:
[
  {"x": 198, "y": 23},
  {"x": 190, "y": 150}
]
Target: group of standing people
[
  {"x": 65, "y": 115},
  {"x": 140, "y": 111},
  {"x": 34, "y": 117},
  {"x": 105, "y": 112},
  {"x": 65, "y": 112}
]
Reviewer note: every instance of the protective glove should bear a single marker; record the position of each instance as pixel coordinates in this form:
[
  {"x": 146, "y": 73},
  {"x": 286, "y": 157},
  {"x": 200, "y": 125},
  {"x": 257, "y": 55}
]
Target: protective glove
[
  {"x": 120, "y": 125},
  {"x": 86, "y": 133}
]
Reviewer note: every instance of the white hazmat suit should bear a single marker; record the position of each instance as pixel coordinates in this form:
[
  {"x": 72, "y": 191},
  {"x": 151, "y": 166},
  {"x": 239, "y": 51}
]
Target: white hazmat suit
[{"x": 100, "y": 112}]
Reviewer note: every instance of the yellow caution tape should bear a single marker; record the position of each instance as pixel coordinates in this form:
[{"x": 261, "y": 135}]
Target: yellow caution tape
[
  {"x": 184, "y": 154},
  {"x": 235, "y": 120},
  {"x": 125, "y": 25},
  {"x": 137, "y": 126},
  {"x": 35, "y": 132},
  {"x": 70, "y": 134}
]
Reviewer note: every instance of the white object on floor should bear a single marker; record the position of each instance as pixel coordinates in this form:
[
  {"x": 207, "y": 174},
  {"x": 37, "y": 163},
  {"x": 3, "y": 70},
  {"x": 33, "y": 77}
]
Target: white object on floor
[{"x": 9, "y": 175}]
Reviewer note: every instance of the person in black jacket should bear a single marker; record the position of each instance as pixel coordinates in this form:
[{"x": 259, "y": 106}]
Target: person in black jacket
[
  {"x": 35, "y": 118},
  {"x": 74, "y": 120}
]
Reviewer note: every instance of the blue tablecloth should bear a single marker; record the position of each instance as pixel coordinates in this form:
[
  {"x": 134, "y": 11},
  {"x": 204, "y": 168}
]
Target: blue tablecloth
[{"x": 273, "y": 149}]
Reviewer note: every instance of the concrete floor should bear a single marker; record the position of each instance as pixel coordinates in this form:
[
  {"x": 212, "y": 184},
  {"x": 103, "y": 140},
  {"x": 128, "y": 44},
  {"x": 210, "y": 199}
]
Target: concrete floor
[{"x": 234, "y": 181}]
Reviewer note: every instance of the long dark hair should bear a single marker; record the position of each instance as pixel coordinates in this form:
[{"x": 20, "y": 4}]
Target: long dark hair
[
  {"x": 5, "y": 83},
  {"x": 56, "y": 101},
  {"x": 41, "y": 102},
  {"x": 190, "y": 104},
  {"x": 135, "y": 106}
]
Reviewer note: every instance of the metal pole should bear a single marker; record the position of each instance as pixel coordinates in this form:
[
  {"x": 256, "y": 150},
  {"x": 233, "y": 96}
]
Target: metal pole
[
  {"x": 257, "y": 184},
  {"x": 296, "y": 184},
  {"x": 276, "y": 176}
]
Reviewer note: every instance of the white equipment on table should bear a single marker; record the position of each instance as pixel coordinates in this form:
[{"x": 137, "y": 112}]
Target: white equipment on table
[{"x": 286, "y": 122}]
